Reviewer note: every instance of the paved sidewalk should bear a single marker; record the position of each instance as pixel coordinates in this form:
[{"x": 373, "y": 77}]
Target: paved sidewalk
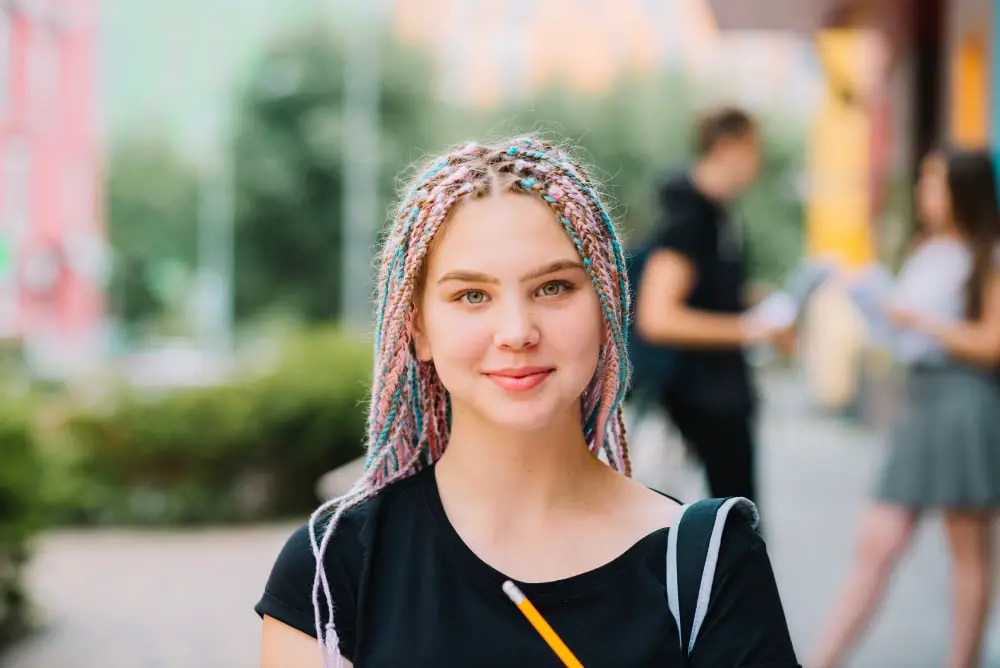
[
  {"x": 184, "y": 599},
  {"x": 123, "y": 599}
]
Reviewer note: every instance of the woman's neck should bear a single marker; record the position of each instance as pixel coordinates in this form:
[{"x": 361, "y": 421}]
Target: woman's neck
[{"x": 495, "y": 472}]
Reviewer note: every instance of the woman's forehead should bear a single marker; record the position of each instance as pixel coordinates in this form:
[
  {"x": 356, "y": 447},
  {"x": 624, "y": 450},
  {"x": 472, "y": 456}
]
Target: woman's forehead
[{"x": 509, "y": 231}]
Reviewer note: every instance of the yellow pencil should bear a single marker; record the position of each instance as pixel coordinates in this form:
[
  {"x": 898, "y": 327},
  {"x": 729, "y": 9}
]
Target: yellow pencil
[{"x": 542, "y": 626}]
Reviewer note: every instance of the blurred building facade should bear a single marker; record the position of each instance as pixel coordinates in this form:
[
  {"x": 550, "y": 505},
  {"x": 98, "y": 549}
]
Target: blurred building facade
[
  {"x": 972, "y": 101},
  {"x": 911, "y": 74},
  {"x": 52, "y": 258},
  {"x": 900, "y": 77},
  {"x": 491, "y": 51}
]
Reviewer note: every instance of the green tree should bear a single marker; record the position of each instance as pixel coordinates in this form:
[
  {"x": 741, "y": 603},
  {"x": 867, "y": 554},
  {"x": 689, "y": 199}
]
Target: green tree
[
  {"x": 152, "y": 224},
  {"x": 289, "y": 149},
  {"x": 774, "y": 210}
]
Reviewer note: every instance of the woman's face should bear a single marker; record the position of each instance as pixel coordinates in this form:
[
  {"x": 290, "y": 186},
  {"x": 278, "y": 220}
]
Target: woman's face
[
  {"x": 933, "y": 198},
  {"x": 507, "y": 313}
]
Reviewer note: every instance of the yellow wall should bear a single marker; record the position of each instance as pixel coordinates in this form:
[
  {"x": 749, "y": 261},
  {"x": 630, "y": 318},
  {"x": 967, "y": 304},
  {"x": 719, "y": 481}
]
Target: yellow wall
[
  {"x": 838, "y": 216},
  {"x": 970, "y": 92}
]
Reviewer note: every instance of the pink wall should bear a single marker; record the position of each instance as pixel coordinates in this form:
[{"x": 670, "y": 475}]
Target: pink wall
[{"x": 50, "y": 213}]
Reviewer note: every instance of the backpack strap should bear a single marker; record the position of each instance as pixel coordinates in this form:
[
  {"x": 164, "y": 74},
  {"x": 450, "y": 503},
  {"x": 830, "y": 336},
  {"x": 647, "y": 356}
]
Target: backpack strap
[{"x": 692, "y": 556}]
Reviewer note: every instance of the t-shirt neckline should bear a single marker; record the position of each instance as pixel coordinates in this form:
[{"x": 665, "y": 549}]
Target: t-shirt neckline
[{"x": 574, "y": 585}]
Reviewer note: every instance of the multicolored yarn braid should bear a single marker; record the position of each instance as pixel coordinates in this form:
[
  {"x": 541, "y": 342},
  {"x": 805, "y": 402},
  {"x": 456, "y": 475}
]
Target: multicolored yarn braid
[{"x": 408, "y": 423}]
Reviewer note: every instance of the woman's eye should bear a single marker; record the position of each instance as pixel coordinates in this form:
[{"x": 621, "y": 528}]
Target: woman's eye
[
  {"x": 553, "y": 289},
  {"x": 473, "y": 297}
]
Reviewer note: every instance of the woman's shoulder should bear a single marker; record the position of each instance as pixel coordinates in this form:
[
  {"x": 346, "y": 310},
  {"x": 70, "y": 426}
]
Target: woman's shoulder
[
  {"x": 354, "y": 531},
  {"x": 651, "y": 507},
  {"x": 293, "y": 571},
  {"x": 288, "y": 592},
  {"x": 346, "y": 543},
  {"x": 349, "y": 541}
]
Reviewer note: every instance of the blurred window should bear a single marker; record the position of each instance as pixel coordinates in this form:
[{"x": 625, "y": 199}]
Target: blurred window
[
  {"x": 76, "y": 199},
  {"x": 16, "y": 187},
  {"x": 43, "y": 73},
  {"x": 6, "y": 58}
]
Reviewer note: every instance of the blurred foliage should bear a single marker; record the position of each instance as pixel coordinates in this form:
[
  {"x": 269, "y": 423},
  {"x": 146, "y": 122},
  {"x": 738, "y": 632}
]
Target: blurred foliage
[
  {"x": 290, "y": 145},
  {"x": 896, "y": 225},
  {"x": 289, "y": 142},
  {"x": 152, "y": 206},
  {"x": 22, "y": 512},
  {"x": 247, "y": 450},
  {"x": 627, "y": 137},
  {"x": 773, "y": 211}
]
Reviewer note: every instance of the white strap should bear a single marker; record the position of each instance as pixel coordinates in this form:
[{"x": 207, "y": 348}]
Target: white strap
[
  {"x": 708, "y": 571},
  {"x": 673, "y": 598},
  {"x": 711, "y": 561}
]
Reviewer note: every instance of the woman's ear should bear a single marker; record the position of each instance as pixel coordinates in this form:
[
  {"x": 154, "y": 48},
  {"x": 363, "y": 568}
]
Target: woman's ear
[{"x": 421, "y": 347}]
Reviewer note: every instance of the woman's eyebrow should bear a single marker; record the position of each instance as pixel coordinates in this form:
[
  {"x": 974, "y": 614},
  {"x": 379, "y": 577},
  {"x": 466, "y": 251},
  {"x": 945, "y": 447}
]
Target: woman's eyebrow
[
  {"x": 551, "y": 268},
  {"x": 469, "y": 276}
]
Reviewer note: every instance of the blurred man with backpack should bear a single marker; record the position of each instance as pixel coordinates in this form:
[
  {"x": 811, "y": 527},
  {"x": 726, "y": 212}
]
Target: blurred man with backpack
[{"x": 690, "y": 330}]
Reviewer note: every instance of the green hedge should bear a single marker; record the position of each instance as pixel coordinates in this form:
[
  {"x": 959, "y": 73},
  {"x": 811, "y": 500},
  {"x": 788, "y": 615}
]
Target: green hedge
[
  {"x": 248, "y": 450},
  {"x": 22, "y": 512}
]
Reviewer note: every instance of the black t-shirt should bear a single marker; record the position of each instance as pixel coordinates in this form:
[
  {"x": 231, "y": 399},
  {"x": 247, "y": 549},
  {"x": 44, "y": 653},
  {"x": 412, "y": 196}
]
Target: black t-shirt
[
  {"x": 409, "y": 592},
  {"x": 703, "y": 231}
]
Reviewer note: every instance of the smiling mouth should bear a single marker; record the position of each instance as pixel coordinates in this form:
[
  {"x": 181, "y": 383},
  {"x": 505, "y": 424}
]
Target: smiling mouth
[{"x": 519, "y": 380}]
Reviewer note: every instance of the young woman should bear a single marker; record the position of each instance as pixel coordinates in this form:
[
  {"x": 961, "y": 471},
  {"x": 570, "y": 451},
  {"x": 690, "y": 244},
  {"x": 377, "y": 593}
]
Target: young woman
[
  {"x": 945, "y": 446},
  {"x": 500, "y": 368}
]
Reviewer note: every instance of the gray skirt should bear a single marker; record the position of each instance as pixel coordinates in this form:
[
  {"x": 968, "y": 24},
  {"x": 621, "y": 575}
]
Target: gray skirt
[{"x": 944, "y": 448}]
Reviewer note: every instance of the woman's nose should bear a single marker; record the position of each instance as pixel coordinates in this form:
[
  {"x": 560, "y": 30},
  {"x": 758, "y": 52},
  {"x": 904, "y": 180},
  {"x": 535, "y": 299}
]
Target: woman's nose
[{"x": 516, "y": 328}]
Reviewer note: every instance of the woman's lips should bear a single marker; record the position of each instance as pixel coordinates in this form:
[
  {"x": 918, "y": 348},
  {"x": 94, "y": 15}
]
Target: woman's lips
[{"x": 521, "y": 379}]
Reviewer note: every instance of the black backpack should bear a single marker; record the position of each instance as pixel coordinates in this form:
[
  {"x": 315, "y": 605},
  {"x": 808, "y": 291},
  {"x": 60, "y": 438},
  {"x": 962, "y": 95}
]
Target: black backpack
[
  {"x": 654, "y": 368},
  {"x": 692, "y": 554}
]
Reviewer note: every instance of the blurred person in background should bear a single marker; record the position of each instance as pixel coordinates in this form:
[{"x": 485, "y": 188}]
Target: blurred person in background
[
  {"x": 691, "y": 330},
  {"x": 943, "y": 313}
]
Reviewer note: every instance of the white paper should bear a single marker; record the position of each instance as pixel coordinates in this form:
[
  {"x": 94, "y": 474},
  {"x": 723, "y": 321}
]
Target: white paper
[
  {"x": 777, "y": 310},
  {"x": 807, "y": 278},
  {"x": 870, "y": 293},
  {"x": 782, "y": 308}
]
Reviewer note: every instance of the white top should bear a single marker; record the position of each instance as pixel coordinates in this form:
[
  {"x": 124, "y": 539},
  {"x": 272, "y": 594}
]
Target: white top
[{"x": 931, "y": 284}]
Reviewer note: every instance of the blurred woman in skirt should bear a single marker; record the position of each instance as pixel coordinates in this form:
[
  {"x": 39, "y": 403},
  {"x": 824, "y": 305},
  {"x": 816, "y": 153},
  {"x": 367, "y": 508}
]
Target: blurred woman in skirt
[{"x": 944, "y": 454}]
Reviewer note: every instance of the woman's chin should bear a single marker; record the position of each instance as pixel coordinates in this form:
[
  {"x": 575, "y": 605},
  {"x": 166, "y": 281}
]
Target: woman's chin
[{"x": 527, "y": 419}]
